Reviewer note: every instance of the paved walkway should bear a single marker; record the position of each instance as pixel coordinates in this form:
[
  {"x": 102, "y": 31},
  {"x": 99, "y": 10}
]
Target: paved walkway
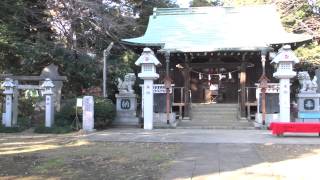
[
  {"x": 230, "y": 154},
  {"x": 202, "y": 136}
]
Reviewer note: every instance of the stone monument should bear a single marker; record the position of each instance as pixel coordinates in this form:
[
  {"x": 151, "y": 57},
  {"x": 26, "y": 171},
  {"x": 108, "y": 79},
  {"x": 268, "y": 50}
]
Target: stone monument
[
  {"x": 88, "y": 113},
  {"x": 308, "y": 98},
  {"x": 126, "y": 102},
  {"x": 51, "y": 71}
]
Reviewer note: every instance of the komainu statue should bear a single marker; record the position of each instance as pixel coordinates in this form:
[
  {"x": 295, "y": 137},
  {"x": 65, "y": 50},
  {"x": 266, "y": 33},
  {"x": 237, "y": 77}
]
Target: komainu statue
[
  {"x": 306, "y": 84},
  {"x": 126, "y": 85}
]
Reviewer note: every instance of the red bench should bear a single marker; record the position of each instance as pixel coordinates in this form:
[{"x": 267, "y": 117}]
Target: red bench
[{"x": 279, "y": 128}]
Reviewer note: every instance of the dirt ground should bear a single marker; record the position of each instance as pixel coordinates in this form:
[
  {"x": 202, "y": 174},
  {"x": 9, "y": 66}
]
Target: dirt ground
[
  {"x": 33, "y": 156},
  {"x": 66, "y": 157}
]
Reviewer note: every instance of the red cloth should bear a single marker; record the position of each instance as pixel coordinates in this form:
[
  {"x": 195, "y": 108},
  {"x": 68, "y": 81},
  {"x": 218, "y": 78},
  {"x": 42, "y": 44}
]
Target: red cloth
[{"x": 279, "y": 128}]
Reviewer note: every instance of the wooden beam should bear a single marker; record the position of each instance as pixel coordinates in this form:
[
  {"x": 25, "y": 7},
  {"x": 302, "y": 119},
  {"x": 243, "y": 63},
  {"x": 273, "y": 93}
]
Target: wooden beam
[
  {"x": 216, "y": 65},
  {"x": 186, "y": 74},
  {"x": 33, "y": 78},
  {"x": 243, "y": 77}
]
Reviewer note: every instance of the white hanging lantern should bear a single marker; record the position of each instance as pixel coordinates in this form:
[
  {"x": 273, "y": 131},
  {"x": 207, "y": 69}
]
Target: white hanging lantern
[{"x": 229, "y": 75}]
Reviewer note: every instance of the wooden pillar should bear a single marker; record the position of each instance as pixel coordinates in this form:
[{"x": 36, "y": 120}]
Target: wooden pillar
[
  {"x": 243, "y": 87},
  {"x": 186, "y": 74}
]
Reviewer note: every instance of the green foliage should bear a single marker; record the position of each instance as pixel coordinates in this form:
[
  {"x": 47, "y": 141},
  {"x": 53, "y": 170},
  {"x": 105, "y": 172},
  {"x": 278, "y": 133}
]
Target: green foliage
[
  {"x": 104, "y": 112},
  {"x": 22, "y": 124},
  {"x": 26, "y": 106},
  {"x": 245, "y": 2},
  {"x": 10, "y": 129},
  {"x": 67, "y": 113},
  {"x": 53, "y": 130},
  {"x": 200, "y": 3},
  {"x": 309, "y": 54}
]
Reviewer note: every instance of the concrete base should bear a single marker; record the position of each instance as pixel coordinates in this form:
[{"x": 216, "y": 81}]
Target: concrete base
[
  {"x": 122, "y": 120},
  {"x": 308, "y": 120},
  {"x": 126, "y": 110},
  {"x": 160, "y": 120},
  {"x": 314, "y": 97},
  {"x": 269, "y": 119}
]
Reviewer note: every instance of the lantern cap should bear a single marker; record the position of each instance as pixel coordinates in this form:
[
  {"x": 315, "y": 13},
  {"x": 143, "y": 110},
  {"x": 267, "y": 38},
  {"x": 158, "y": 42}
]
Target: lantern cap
[
  {"x": 147, "y": 57},
  {"x": 8, "y": 82},
  {"x": 47, "y": 83},
  {"x": 285, "y": 54}
]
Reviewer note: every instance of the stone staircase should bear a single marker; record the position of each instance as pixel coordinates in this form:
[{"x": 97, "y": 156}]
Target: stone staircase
[{"x": 215, "y": 116}]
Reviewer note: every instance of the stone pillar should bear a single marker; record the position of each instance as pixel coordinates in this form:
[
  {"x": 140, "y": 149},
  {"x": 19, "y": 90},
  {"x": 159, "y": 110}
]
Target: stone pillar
[
  {"x": 148, "y": 104},
  {"x": 15, "y": 99},
  {"x": 8, "y": 115},
  {"x": 49, "y": 100},
  {"x": 88, "y": 113},
  {"x": 284, "y": 100},
  {"x": 8, "y": 85},
  {"x": 49, "y": 118}
]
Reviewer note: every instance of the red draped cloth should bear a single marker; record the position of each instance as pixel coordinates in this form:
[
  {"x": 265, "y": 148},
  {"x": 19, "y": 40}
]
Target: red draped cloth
[{"x": 278, "y": 128}]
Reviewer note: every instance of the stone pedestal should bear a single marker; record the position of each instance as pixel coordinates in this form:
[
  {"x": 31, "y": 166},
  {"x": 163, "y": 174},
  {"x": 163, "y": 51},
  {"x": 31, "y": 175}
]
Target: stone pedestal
[
  {"x": 126, "y": 109},
  {"x": 308, "y": 103}
]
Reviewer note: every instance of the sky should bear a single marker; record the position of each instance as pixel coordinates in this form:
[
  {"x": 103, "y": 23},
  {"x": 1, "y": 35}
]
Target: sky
[{"x": 183, "y": 3}]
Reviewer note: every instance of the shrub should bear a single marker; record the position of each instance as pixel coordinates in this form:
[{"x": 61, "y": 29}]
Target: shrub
[
  {"x": 53, "y": 130},
  {"x": 22, "y": 124},
  {"x": 104, "y": 112},
  {"x": 67, "y": 113}
]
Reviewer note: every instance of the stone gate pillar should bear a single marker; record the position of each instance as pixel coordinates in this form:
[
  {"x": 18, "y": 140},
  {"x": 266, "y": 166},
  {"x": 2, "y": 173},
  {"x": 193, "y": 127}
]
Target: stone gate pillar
[
  {"x": 49, "y": 100},
  {"x": 8, "y": 86}
]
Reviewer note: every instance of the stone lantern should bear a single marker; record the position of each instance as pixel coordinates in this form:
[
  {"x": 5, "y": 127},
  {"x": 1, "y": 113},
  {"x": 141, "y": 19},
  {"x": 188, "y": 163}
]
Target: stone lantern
[
  {"x": 48, "y": 93},
  {"x": 148, "y": 63},
  {"x": 285, "y": 60},
  {"x": 8, "y": 91}
]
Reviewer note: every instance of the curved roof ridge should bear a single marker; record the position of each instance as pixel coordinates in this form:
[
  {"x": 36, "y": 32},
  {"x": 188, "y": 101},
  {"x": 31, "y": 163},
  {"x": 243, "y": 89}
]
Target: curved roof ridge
[{"x": 204, "y": 9}]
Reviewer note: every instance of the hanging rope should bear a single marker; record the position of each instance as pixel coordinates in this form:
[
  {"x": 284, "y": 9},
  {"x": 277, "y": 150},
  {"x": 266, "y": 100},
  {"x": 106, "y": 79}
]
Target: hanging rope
[{"x": 212, "y": 74}]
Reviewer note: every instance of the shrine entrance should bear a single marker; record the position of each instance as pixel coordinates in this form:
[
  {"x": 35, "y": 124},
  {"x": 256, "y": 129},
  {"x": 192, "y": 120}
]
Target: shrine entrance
[
  {"x": 215, "y": 79},
  {"x": 214, "y": 85}
]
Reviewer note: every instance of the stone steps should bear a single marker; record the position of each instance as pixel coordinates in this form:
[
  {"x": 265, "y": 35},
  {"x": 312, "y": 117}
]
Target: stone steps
[
  {"x": 221, "y": 123},
  {"x": 214, "y": 116}
]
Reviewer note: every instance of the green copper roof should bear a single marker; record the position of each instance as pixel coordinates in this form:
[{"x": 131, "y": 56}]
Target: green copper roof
[{"x": 205, "y": 29}]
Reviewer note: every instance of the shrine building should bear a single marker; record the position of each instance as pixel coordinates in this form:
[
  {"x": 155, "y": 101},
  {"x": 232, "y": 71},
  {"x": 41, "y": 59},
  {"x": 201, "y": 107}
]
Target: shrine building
[{"x": 214, "y": 54}]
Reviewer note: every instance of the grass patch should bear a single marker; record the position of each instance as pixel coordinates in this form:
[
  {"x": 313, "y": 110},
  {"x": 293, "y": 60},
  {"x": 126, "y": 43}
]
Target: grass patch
[
  {"x": 53, "y": 130},
  {"x": 48, "y": 165}
]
